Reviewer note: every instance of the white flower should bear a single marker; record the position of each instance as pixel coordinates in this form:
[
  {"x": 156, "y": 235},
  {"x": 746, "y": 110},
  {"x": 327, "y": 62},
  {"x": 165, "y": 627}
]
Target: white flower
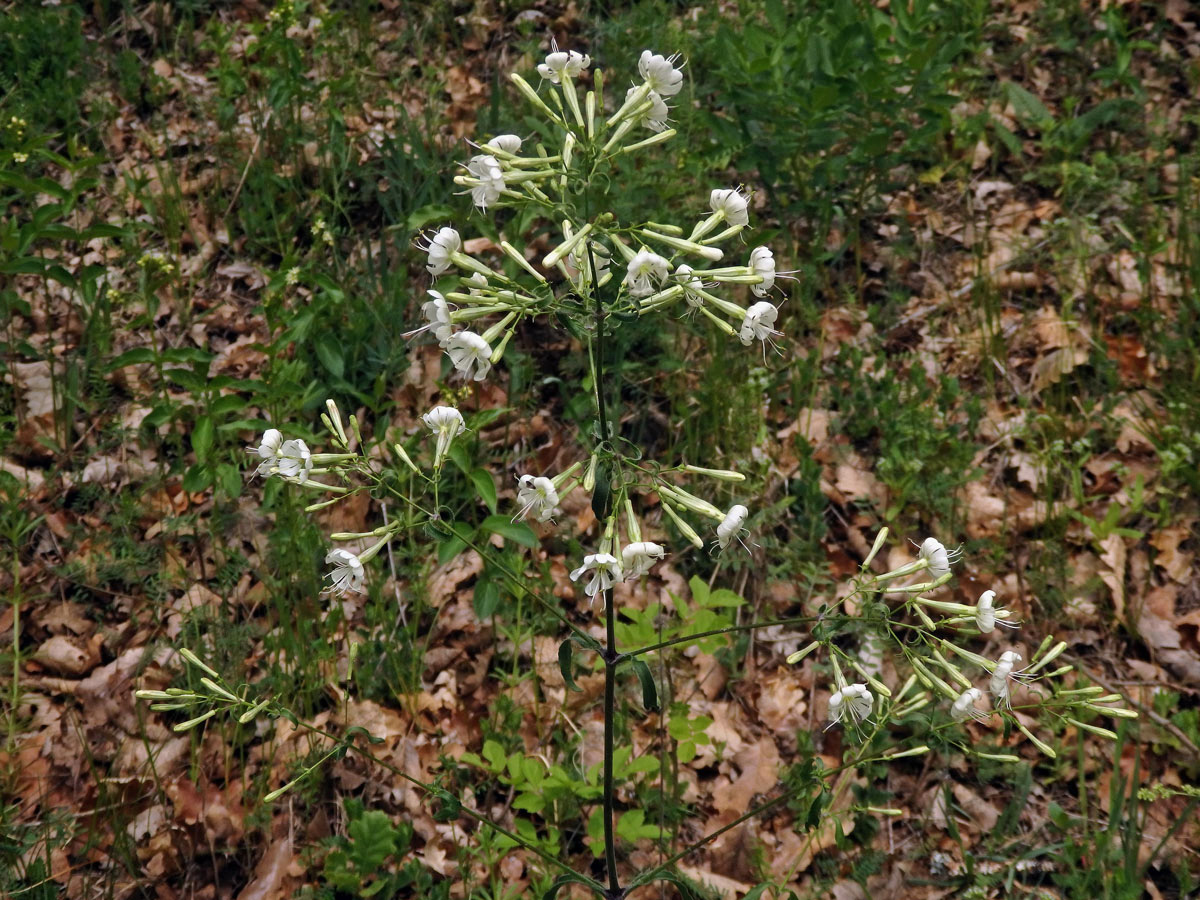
[
  {"x": 759, "y": 323},
  {"x": 655, "y": 118},
  {"x": 537, "y": 498},
  {"x": 294, "y": 460},
  {"x": 639, "y": 557},
  {"x": 1003, "y": 676},
  {"x": 731, "y": 204},
  {"x": 646, "y": 273},
  {"x": 509, "y": 143},
  {"x": 476, "y": 284},
  {"x": 691, "y": 284},
  {"x": 491, "y": 177},
  {"x": 440, "y": 247},
  {"x": 988, "y": 615},
  {"x": 853, "y": 703},
  {"x": 940, "y": 559},
  {"x": 563, "y": 64},
  {"x": 964, "y": 707},
  {"x": 762, "y": 261},
  {"x": 268, "y": 451},
  {"x": 447, "y": 423},
  {"x": 660, "y": 73},
  {"x": 347, "y": 574},
  {"x": 731, "y": 525},
  {"x": 470, "y": 354},
  {"x": 605, "y": 569},
  {"x": 437, "y": 312}
]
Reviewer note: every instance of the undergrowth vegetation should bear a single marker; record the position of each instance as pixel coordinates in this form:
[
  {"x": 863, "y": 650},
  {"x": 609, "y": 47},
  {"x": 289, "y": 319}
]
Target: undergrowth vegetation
[{"x": 208, "y": 220}]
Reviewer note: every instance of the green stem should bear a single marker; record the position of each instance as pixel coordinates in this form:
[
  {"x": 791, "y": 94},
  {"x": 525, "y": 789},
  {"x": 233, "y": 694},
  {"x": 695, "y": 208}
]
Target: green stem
[
  {"x": 691, "y": 638},
  {"x": 611, "y": 657},
  {"x": 16, "y": 643}
]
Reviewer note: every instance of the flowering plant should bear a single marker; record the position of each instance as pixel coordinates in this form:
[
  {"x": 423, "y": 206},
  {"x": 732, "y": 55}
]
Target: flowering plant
[{"x": 599, "y": 273}]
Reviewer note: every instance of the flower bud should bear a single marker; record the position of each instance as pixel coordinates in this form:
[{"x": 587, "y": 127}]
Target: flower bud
[
  {"x": 719, "y": 474},
  {"x": 685, "y": 246},
  {"x": 519, "y": 258},
  {"x": 803, "y": 652},
  {"x": 192, "y": 723},
  {"x": 218, "y": 690},
  {"x": 194, "y": 660},
  {"x": 559, "y": 252},
  {"x": 1094, "y": 729},
  {"x": 253, "y": 711},
  {"x": 684, "y": 528}
]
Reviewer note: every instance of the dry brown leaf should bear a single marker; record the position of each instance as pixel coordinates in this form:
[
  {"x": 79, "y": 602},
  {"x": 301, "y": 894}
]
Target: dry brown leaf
[
  {"x": 727, "y": 888},
  {"x": 270, "y": 875},
  {"x": 1176, "y": 562},
  {"x": 1114, "y": 557}
]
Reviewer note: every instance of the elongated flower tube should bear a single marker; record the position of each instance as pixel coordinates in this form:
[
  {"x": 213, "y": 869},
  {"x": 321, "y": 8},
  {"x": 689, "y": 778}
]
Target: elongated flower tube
[
  {"x": 676, "y": 243},
  {"x": 268, "y": 451},
  {"x": 762, "y": 261},
  {"x": 605, "y": 569},
  {"x": 447, "y": 423},
  {"x": 348, "y": 574},
  {"x": 556, "y": 255},
  {"x": 294, "y": 460},
  {"x": 537, "y": 498},
  {"x": 660, "y": 73},
  {"x": 852, "y": 704},
  {"x": 646, "y": 273},
  {"x": 639, "y": 557},
  {"x": 732, "y": 525},
  {"x": 445, "y": 242},
  {"x": 690, "y": 501},
  {"x": 471, "y": 354}
]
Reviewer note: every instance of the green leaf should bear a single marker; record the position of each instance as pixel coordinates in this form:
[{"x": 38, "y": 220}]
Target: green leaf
[
  {"x": 136, "y": 356},
  {"x": 454, "y": 537},
  {"x": 202, "y": 438},
  {"x": 188, "y": 379},
  {"x": 494, "y": 754},
  {"x": 602, "y": 493},
  {"x": 571, "y": 878},
  {"x": 230, "y": 479},
  {"x": 25, "y": 265},
  {"x": 1029, "y": 108},
  {"x": 517, "y": 532},
  {"x": 372, "y": 840},
  {"x": 649, "y": 691},
  {"x": 329, "y": 352},
  {"x": 449, "y": 808},
  {"x": 565, "y": 657},
  {"x": 419, "y": 218},
  {"x": 197, "y": 478},
  {"x": 482, "y": 480},
  {"x": 487, "y": 597}
]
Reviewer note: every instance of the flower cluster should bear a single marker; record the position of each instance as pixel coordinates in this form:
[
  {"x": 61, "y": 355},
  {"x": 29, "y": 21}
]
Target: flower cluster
[{"x": 289, "y": 459}]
